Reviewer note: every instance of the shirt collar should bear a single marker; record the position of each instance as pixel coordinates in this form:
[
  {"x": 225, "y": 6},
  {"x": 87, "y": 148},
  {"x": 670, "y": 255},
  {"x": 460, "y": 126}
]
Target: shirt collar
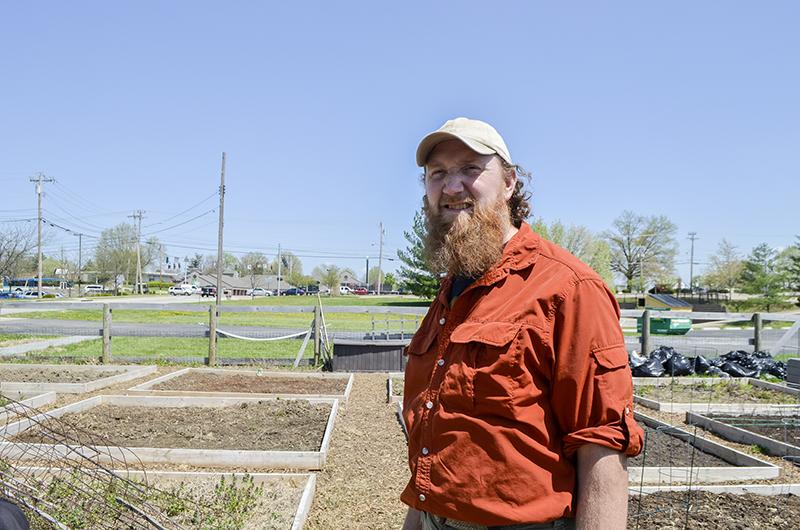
[{"x": 519, "y": 253}]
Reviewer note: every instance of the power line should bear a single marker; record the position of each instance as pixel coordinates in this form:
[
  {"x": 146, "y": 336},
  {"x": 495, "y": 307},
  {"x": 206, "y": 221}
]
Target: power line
[
  {"x": 181, "y": 224},
  {"x": 183, "y": 212}
]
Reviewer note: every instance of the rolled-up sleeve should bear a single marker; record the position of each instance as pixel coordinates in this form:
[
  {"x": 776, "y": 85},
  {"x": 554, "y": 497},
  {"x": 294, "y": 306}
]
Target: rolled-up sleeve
[{"x": 592, "y": 390}]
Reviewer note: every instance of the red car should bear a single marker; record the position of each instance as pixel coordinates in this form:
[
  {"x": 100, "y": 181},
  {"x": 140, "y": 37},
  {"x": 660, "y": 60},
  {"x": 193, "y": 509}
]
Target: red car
[{"x": 360, "y": 290}]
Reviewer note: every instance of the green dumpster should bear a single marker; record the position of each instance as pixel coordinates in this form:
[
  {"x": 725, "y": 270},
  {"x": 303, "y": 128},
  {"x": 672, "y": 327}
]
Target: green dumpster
[{"x": 666, "y": 325}]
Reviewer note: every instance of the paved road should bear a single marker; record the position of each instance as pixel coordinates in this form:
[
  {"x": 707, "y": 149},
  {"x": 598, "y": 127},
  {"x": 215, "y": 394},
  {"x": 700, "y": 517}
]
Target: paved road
[{"x": 715, "y": 342}]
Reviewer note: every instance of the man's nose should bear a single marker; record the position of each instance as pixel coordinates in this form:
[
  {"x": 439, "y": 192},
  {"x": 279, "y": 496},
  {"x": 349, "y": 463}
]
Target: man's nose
[{"x": 453, "y": 185}]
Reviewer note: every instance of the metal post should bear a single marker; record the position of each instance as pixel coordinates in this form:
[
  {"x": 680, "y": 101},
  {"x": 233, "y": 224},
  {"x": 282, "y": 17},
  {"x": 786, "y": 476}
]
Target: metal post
[
  {"x": 106, "y": 359},
  {"x": 645, "y": 340},
  {"x": 212, "y": 334},
  {"x": 317, "y": 336},
  {"x": 756, "y": 331},
  {"x": 380, "y": 257}
]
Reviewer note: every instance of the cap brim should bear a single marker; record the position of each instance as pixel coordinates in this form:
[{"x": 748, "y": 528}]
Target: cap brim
[{"x": 435, "y": 138}]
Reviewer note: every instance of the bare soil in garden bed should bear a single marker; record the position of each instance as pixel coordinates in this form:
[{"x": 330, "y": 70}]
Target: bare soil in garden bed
[
  {"x": 256, "y": 384},
  {"x": 781, "y": 428},
  {"x": 275, "y": 425},
  {"x": 722, "y": 392},
  {"x": 713, "y": 511},
  {"x": 662, "y": 450},
  {"x": 56, "y": 374}
]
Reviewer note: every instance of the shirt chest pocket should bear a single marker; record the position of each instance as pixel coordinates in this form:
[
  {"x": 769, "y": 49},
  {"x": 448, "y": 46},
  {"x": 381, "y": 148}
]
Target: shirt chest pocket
[{"x": 485, "y": 372}]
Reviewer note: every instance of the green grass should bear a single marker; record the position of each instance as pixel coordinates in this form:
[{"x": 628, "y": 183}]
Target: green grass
[
  {"x": 335, "y": 321},
  {"x": 11, "y": 339},
  {"x": 767, "y": 324},
  {"x": 351, "y": 300},
  {"x": 162, "y": 347}
]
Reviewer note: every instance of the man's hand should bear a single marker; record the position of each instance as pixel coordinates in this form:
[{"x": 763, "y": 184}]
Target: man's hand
[
  {"x": 602, "y": 489},
  {"x": 412, "y": 521}
]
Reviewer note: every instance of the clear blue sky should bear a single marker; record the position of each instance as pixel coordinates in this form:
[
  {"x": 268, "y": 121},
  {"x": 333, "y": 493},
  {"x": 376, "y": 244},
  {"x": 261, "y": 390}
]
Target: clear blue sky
[{"x": 688, "y": 109}]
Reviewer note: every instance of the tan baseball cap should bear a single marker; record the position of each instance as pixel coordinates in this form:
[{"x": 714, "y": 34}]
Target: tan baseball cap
[{"x": 477, "y": 135}]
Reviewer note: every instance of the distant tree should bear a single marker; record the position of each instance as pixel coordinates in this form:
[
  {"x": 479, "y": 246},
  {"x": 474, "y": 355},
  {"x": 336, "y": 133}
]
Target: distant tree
[
  {"x": 390, "y": 281},
  {"x": 760, "y": 278},
  {"x": 580, "y": 242},
  {"x": 115, "y": 253},
  {"x": 196, "y": 261},
  {"x": 787, "y": 264},
  {"x": 329, "y": 275},
  {"x": 252, "y": 266},
  {"x": 17, "y": 242},
  {"x": 642, "y": 247},
  {"x": 415, "y": 274},
  {"x": 725, "y": 268}
]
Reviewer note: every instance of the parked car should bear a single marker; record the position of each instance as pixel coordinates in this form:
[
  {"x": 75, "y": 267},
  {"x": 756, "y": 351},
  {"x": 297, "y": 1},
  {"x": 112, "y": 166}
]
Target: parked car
[
  {"x": 293, "y": 291},
  {"x": 93, "y": 288},
  {"x": 259, "y": 291},
  {"x": 182, "y": 289},
  {"x": 30, "y": 294},
  {"x": 360, "y": 290},
  {"x": 211, "y": 290}
]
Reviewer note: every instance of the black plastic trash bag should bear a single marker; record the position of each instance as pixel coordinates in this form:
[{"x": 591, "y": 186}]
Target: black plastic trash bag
[
  {"x": 701, "y": 365},
  {"x": 634, "y": 359},
  {"x": 662, "y": 353},
  {"x": 714, "y": 371},
  {"x": 678, "y": 365},
  {"x": 777, "y": 370},
  {"x": 652, "y": 368},
  {"x": 736, "y": 370}
]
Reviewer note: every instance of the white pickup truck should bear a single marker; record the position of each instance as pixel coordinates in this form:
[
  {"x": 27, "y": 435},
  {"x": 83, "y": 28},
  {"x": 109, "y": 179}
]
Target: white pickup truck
[{"x": 182, "y": 289}]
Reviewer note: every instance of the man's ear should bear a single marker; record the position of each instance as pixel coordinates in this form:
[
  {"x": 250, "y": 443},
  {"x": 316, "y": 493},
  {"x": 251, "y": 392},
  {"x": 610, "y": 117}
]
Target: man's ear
[{"x": 510, "y": 182}]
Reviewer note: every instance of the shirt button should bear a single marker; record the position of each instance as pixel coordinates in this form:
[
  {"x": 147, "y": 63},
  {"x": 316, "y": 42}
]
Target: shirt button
[
  {"x": 440, "y": 362},
  {"x": 422, "y": 497},
  {"x": 442, "y": 321},
  {"x": 429, "y": 405},
  {"x": 425, "y": 451}
]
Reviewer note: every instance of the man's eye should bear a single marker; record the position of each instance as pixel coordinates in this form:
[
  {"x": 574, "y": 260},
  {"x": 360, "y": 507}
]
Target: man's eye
[
  {"x": 437, "y": 175},
  {"x": 472, "y": 171}
]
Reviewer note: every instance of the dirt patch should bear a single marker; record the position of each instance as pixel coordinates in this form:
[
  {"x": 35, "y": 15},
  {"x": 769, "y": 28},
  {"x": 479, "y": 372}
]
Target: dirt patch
[
  {"x": 699, "y": 509},
  {"x": 366, "y": 468},
  {"x": 275, "y": 425},
  {"x": 784, "y": 429},
  {"x": 723, "y": 392},
  {"x": 662, "y": 449},
  {"x": 256, "y": 384},
  {"x": 80, "y": 501},
  {"x": 56, "y": 374}
]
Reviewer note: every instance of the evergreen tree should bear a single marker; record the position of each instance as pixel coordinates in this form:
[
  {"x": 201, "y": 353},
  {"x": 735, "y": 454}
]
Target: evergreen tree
[
  {"x": 415, "y": 275},
  {"x": 759, "y": 276}
]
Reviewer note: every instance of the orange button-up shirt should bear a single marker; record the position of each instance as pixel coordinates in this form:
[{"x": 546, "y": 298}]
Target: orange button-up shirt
[{"x": 502, "y": 388}]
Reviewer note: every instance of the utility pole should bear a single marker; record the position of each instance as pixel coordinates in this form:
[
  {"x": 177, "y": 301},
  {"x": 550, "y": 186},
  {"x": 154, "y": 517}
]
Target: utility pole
[
  {"x": 137, "y": 216},
  {"x": 80, "y": 263},
  {"x": 279, "y": 269},
  {"x": 39, "y": 180},
  {"x": 380, "y": 255},
  {"x": 366, "y": 276},
  {"x": 692, "y": 237},
  {"x": 221, "y": 222}
]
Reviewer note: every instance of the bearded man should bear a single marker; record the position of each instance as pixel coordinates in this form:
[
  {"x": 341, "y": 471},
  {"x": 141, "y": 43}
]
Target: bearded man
[{"x": 518, "y": 397}]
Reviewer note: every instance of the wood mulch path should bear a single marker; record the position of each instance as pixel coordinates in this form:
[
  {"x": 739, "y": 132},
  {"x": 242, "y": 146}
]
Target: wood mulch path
[{"x": 366, "y": 468}]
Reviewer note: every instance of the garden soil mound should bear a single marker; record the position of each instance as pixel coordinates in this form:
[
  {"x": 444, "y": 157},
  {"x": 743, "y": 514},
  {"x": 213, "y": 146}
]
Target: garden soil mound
[
  {"x": 275, "y": 425},
  {"x": 256, "y": 384}
]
